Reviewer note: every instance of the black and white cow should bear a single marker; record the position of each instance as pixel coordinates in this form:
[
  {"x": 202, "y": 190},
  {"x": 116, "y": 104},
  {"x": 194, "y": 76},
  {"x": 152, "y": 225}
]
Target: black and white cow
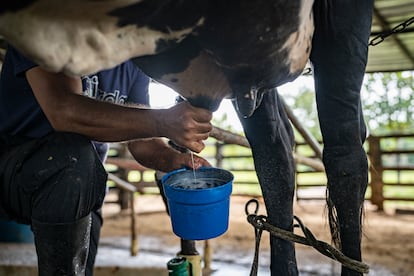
[{"x": 209, "y": 50}]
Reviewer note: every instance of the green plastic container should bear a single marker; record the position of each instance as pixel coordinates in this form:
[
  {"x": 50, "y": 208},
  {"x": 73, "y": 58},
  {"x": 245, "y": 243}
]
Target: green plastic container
[{"x": 178, "y": 266}]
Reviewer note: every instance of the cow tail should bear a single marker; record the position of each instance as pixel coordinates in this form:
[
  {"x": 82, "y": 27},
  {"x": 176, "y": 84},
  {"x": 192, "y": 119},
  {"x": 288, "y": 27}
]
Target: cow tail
[{"x": 333, "y": 221}]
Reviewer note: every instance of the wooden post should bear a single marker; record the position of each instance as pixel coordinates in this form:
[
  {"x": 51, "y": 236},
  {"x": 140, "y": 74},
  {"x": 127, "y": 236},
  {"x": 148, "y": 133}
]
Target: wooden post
[
  {"x": 376, "y": 172},
  {"x": 134, "y": 237},
  {"x": 207, "y": 258},
  {"x": 219, "y": 154},
  {"x": 130, "y": 189},
  {"x": 123, "y": 196}
]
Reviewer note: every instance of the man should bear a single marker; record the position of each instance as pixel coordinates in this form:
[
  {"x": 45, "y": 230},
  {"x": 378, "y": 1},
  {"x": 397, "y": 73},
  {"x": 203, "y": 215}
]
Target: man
[{"x": 50, "y": 174}]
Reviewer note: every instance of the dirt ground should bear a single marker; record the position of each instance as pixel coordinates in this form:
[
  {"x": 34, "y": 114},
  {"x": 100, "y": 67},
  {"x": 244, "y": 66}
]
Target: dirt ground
[{"x": 387, "y": 241}]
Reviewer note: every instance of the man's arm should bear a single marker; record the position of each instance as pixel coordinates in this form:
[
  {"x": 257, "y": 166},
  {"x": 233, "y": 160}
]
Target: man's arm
[
  {"x": 156, "y": 154},
  {"x": 67, "y": 110}
]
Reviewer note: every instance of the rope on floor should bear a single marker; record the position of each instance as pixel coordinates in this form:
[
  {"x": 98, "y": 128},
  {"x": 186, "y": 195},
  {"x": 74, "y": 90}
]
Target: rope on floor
[{"x": 260, "y": 223}]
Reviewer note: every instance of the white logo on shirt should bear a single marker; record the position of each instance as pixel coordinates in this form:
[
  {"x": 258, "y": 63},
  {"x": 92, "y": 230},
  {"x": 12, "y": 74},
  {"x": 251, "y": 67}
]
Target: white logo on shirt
[{"x": 92, "y": 90}]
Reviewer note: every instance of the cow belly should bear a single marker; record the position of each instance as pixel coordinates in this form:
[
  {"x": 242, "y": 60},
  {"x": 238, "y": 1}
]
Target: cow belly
[
  {"x": 203, "y": 82},
  {"x": 299, "y": 43},
  {"x": 79, "y": 37}
]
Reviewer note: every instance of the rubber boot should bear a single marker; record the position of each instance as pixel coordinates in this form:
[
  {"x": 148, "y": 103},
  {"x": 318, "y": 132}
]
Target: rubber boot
[{"x": 62, "y": 248}]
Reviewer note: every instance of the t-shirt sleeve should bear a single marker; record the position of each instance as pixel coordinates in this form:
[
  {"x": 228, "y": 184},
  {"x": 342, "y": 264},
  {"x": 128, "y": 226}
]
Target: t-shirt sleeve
[
  {"x": 20, "y": 62},
  {"x": 139, "y": 93}
]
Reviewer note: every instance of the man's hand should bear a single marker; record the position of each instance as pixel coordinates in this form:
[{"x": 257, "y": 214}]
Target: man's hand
[
  {"x": 156, "y": 154},
  {"x": 187, "y": 125}
]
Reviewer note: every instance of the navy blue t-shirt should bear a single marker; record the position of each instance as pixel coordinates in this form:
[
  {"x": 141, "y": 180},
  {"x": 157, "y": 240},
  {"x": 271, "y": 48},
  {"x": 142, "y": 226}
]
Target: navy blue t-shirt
[{"x": 21, "y": 115}]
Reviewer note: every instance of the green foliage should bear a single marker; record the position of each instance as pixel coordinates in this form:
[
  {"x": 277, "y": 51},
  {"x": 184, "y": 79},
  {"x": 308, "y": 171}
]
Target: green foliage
[{"x": 388, "y": 102}]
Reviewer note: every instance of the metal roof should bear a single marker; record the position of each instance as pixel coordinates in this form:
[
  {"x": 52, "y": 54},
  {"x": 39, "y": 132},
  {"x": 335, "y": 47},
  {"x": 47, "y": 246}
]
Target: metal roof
[{"x": 396, "y": 52}]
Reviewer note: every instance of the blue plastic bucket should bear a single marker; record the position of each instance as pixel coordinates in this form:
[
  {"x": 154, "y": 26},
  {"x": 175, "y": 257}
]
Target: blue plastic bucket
[
  {"x": 11, "y": 231},
  {"x": 199, "y": 210}
]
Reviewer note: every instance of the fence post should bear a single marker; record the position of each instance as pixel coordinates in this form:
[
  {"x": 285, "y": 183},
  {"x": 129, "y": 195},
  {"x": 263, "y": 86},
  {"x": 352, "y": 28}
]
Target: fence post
[
  {"x": 123, "y": 196},
  {"x": 376, "y": 172},
  {"x": 219, "y": 154}
]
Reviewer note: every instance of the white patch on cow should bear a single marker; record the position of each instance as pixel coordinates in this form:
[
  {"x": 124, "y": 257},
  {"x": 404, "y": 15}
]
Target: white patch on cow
[
  {"x": 78, "y": 37},
  {"x": 299, "y": 43},
  {"x": 203, "y": 77}
]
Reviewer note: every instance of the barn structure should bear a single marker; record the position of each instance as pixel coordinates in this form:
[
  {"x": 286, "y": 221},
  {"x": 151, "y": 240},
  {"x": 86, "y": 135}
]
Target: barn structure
[{"x": 391, "y": 50}]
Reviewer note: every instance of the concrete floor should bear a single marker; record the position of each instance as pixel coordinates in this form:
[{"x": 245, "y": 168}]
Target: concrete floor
[{"x": 114, "y": 259}]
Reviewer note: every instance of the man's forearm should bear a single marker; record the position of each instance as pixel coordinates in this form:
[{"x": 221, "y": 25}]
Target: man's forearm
[
  {"x": 66, "y": 109},
  {"x": 106, "y": 122}
]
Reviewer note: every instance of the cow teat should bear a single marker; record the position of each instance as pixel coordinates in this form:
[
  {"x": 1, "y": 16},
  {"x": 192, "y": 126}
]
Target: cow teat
[
  {"x": 246, "y": 103},
  {"x": 205, "y": 102}
]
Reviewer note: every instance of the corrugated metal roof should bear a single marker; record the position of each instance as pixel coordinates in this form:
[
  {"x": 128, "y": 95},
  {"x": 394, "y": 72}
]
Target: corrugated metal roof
[{"x": 396, "y": 52}]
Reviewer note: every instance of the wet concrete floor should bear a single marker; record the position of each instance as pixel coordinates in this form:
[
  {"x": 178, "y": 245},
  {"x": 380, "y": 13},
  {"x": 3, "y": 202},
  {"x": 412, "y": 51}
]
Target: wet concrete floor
[{"x": 114, "y": 259}]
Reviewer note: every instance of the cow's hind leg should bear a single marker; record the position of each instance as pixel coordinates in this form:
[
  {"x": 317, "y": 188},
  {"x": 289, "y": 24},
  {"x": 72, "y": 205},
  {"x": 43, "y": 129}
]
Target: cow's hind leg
[
  {"x": 339, "y": 56},
  {"x": 271, "y": 139}
]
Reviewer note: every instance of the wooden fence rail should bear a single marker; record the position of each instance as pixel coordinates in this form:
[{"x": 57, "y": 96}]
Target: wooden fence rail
[
  {"x": 391, "y": 155},
  {"x": 391, "y": 171},
  {"x": 385, "y": 160}
]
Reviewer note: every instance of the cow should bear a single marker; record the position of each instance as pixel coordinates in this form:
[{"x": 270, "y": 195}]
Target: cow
[{"x": 243, "y": 50}]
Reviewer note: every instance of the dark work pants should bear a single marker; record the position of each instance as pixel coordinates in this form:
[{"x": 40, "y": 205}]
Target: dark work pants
[{"x": 55, "y": 179}]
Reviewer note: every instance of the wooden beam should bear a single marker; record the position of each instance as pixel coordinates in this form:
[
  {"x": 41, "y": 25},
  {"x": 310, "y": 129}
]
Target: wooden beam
[
  {"x": 307, "y": 136},
  {"x": 125, "y": 163},
  {"x": 232, "y": 138},
  {"x": 122, "y": 183}
]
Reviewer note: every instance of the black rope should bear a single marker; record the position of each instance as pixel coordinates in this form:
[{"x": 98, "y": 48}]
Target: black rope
[
  {"x": 260, "y": 223},
  {"x": 257, "y": 235},
  {"x": 255, "y": 264}
]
